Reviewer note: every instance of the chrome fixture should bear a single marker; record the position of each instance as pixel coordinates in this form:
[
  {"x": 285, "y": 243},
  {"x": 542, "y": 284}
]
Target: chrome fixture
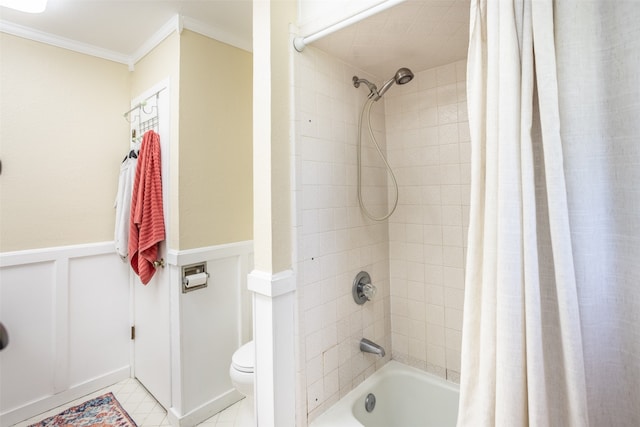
[
  {"x": 370, "y": 402},
  {"x": 362, "y": 288},
  {"x": 194, "y": 276},
  {"x": 371, "y": 347},
  {"x": 402, "y": 76},
  {"x": 4, "y": 337},
  {"x": 372, "y": 87}
]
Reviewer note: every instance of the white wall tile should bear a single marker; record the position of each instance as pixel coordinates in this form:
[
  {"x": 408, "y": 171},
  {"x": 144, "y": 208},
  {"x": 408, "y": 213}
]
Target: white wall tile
[
  {"x": 435, "y": 335},
  {"x": 447, "y": 94},
  {"x": 430, "y": 117},
  {"x": 427, "y": 79},
  {"x": 446, "y": 74},
  {"x": 448, "y": 133}
]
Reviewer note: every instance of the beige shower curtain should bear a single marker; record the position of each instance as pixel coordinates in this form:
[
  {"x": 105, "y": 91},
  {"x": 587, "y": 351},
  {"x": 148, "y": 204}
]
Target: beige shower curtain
[
  {"x": 522, "y": 360},
  {"x": 552, "y": 303}
]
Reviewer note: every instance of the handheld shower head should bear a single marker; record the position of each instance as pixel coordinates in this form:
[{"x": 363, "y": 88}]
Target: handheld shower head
[{"x": 402, "y": 76}]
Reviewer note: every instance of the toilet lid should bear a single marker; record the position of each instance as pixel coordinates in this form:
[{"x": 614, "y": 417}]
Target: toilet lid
[{"x": 243, "y": 358}]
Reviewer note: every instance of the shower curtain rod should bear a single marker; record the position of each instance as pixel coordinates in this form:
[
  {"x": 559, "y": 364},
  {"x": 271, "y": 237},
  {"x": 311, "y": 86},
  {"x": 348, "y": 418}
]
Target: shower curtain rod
[
  {"x": 142, "y": 103},
  {"x": 299, "y": 43}
]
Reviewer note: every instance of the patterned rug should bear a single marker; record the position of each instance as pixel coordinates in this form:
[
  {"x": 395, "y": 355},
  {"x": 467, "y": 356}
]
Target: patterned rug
[{"x": 103, "y": 411}]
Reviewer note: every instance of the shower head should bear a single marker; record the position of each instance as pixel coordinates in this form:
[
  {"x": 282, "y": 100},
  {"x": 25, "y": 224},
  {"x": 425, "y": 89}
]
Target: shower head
[{"x": 402, "y": 76}]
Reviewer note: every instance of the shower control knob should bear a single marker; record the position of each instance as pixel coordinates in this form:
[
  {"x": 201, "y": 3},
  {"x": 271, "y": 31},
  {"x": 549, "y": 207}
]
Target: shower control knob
[
  {"x": 362, "y": 289},
  {"x": 369, "y": 291}
]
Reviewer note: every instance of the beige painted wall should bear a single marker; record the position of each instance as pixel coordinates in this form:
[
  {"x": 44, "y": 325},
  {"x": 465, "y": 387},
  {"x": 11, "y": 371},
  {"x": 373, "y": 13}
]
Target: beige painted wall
[
  {"x": 215, "y": 159},
  {"x": 272, "y": 135},
  {"x": 62, "y": 139},
  {"x": 161, "y": 63}
]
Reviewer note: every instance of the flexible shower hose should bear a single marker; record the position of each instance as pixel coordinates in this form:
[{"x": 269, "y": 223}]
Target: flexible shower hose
[{"x": 367, "y": 107}]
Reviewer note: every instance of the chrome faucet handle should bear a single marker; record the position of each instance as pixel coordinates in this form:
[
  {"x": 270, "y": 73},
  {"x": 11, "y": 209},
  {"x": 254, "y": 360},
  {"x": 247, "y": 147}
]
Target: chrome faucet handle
[
  {"x": 369, "y": 291},
  {"x": 363, "y": 290}
]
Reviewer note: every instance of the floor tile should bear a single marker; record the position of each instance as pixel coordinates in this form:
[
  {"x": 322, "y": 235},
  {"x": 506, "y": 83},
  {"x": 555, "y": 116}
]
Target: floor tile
[{"x": 143, "y": 408}]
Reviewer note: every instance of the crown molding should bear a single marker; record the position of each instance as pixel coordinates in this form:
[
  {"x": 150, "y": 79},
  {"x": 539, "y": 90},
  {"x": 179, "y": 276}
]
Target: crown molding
[
  {"x": 176, "y": 23},
  {"x": 69, "y": 44},
  {"x": 217, "y": 34},
  {"x": 173, "y": 24}
]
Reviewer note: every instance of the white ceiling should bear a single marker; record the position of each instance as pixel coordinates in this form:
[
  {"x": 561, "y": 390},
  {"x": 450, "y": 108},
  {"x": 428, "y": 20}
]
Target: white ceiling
[
  {"x": 123, "y": 26},
  {"x": 418, "y": 34}
]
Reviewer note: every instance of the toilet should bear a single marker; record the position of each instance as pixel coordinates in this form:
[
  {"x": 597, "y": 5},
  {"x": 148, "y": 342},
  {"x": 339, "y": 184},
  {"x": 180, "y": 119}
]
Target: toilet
[{"x": 242, "y": 377}]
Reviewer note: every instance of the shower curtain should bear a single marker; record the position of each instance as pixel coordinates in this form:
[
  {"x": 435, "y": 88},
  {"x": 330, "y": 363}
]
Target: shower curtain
[{"x": 552, "y": 297}]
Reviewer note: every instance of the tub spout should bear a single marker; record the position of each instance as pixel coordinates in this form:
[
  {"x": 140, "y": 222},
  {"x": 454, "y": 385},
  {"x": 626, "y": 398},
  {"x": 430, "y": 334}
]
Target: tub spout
[{"x": 371, "y": 347}]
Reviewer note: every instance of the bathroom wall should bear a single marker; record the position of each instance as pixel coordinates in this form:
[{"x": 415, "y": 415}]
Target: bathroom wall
[
  {"x": 428, "y": 147},
  {"x": 215, "y": 159},
  {"x": 333, "y": 239},
  {"x": 62, "y": 134},
  {"x": 63, "y": 139}
]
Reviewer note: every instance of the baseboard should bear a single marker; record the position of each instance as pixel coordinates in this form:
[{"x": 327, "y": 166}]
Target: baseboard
[
  {"x": 205, "y": 411},
  {"x": 75, "y": 392}
]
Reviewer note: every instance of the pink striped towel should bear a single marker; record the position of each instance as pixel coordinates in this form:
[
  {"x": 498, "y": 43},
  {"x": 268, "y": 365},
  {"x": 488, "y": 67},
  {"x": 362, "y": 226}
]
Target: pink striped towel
[{"x": 146, "y": 222}]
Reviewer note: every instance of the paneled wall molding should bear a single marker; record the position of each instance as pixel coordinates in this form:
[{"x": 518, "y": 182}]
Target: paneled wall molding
[
  {"x": 30, "y": 256},
  {"x": 63, "y": 344},
  {"x": 48, "y": 299},
  {"x": 189, "y": 256},
  {"x": 225, "y": 306}
]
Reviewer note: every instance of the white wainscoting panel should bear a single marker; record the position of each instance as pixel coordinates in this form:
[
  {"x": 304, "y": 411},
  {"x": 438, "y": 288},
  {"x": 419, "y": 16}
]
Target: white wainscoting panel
[
  {"x": 67, "y": 313},
  {"x": 98, "y": 317},
  {"x": 209, "y": 325}
]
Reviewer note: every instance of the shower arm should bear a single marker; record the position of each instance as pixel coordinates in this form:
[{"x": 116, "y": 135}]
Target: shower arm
[{"x": 372, "y": 87}]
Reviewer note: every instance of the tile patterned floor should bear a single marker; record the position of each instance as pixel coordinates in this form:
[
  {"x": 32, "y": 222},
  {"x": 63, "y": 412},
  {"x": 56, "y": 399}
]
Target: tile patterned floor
[{"x": 143, "y": 408}]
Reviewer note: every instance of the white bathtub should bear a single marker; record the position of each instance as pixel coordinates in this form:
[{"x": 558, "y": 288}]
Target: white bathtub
[{"x": 405, "y": 397}]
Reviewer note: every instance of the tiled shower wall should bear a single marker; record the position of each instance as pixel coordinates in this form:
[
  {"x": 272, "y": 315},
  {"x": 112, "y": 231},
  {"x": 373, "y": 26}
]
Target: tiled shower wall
[
  {"x": 415, "y": 258},
  {"x": 333, "y": 240},
  {"x": 428, "y": 146}
]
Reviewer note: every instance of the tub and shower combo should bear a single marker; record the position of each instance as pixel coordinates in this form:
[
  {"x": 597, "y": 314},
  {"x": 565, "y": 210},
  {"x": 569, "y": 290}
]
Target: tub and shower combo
[{"x": 396, "y": 395}]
